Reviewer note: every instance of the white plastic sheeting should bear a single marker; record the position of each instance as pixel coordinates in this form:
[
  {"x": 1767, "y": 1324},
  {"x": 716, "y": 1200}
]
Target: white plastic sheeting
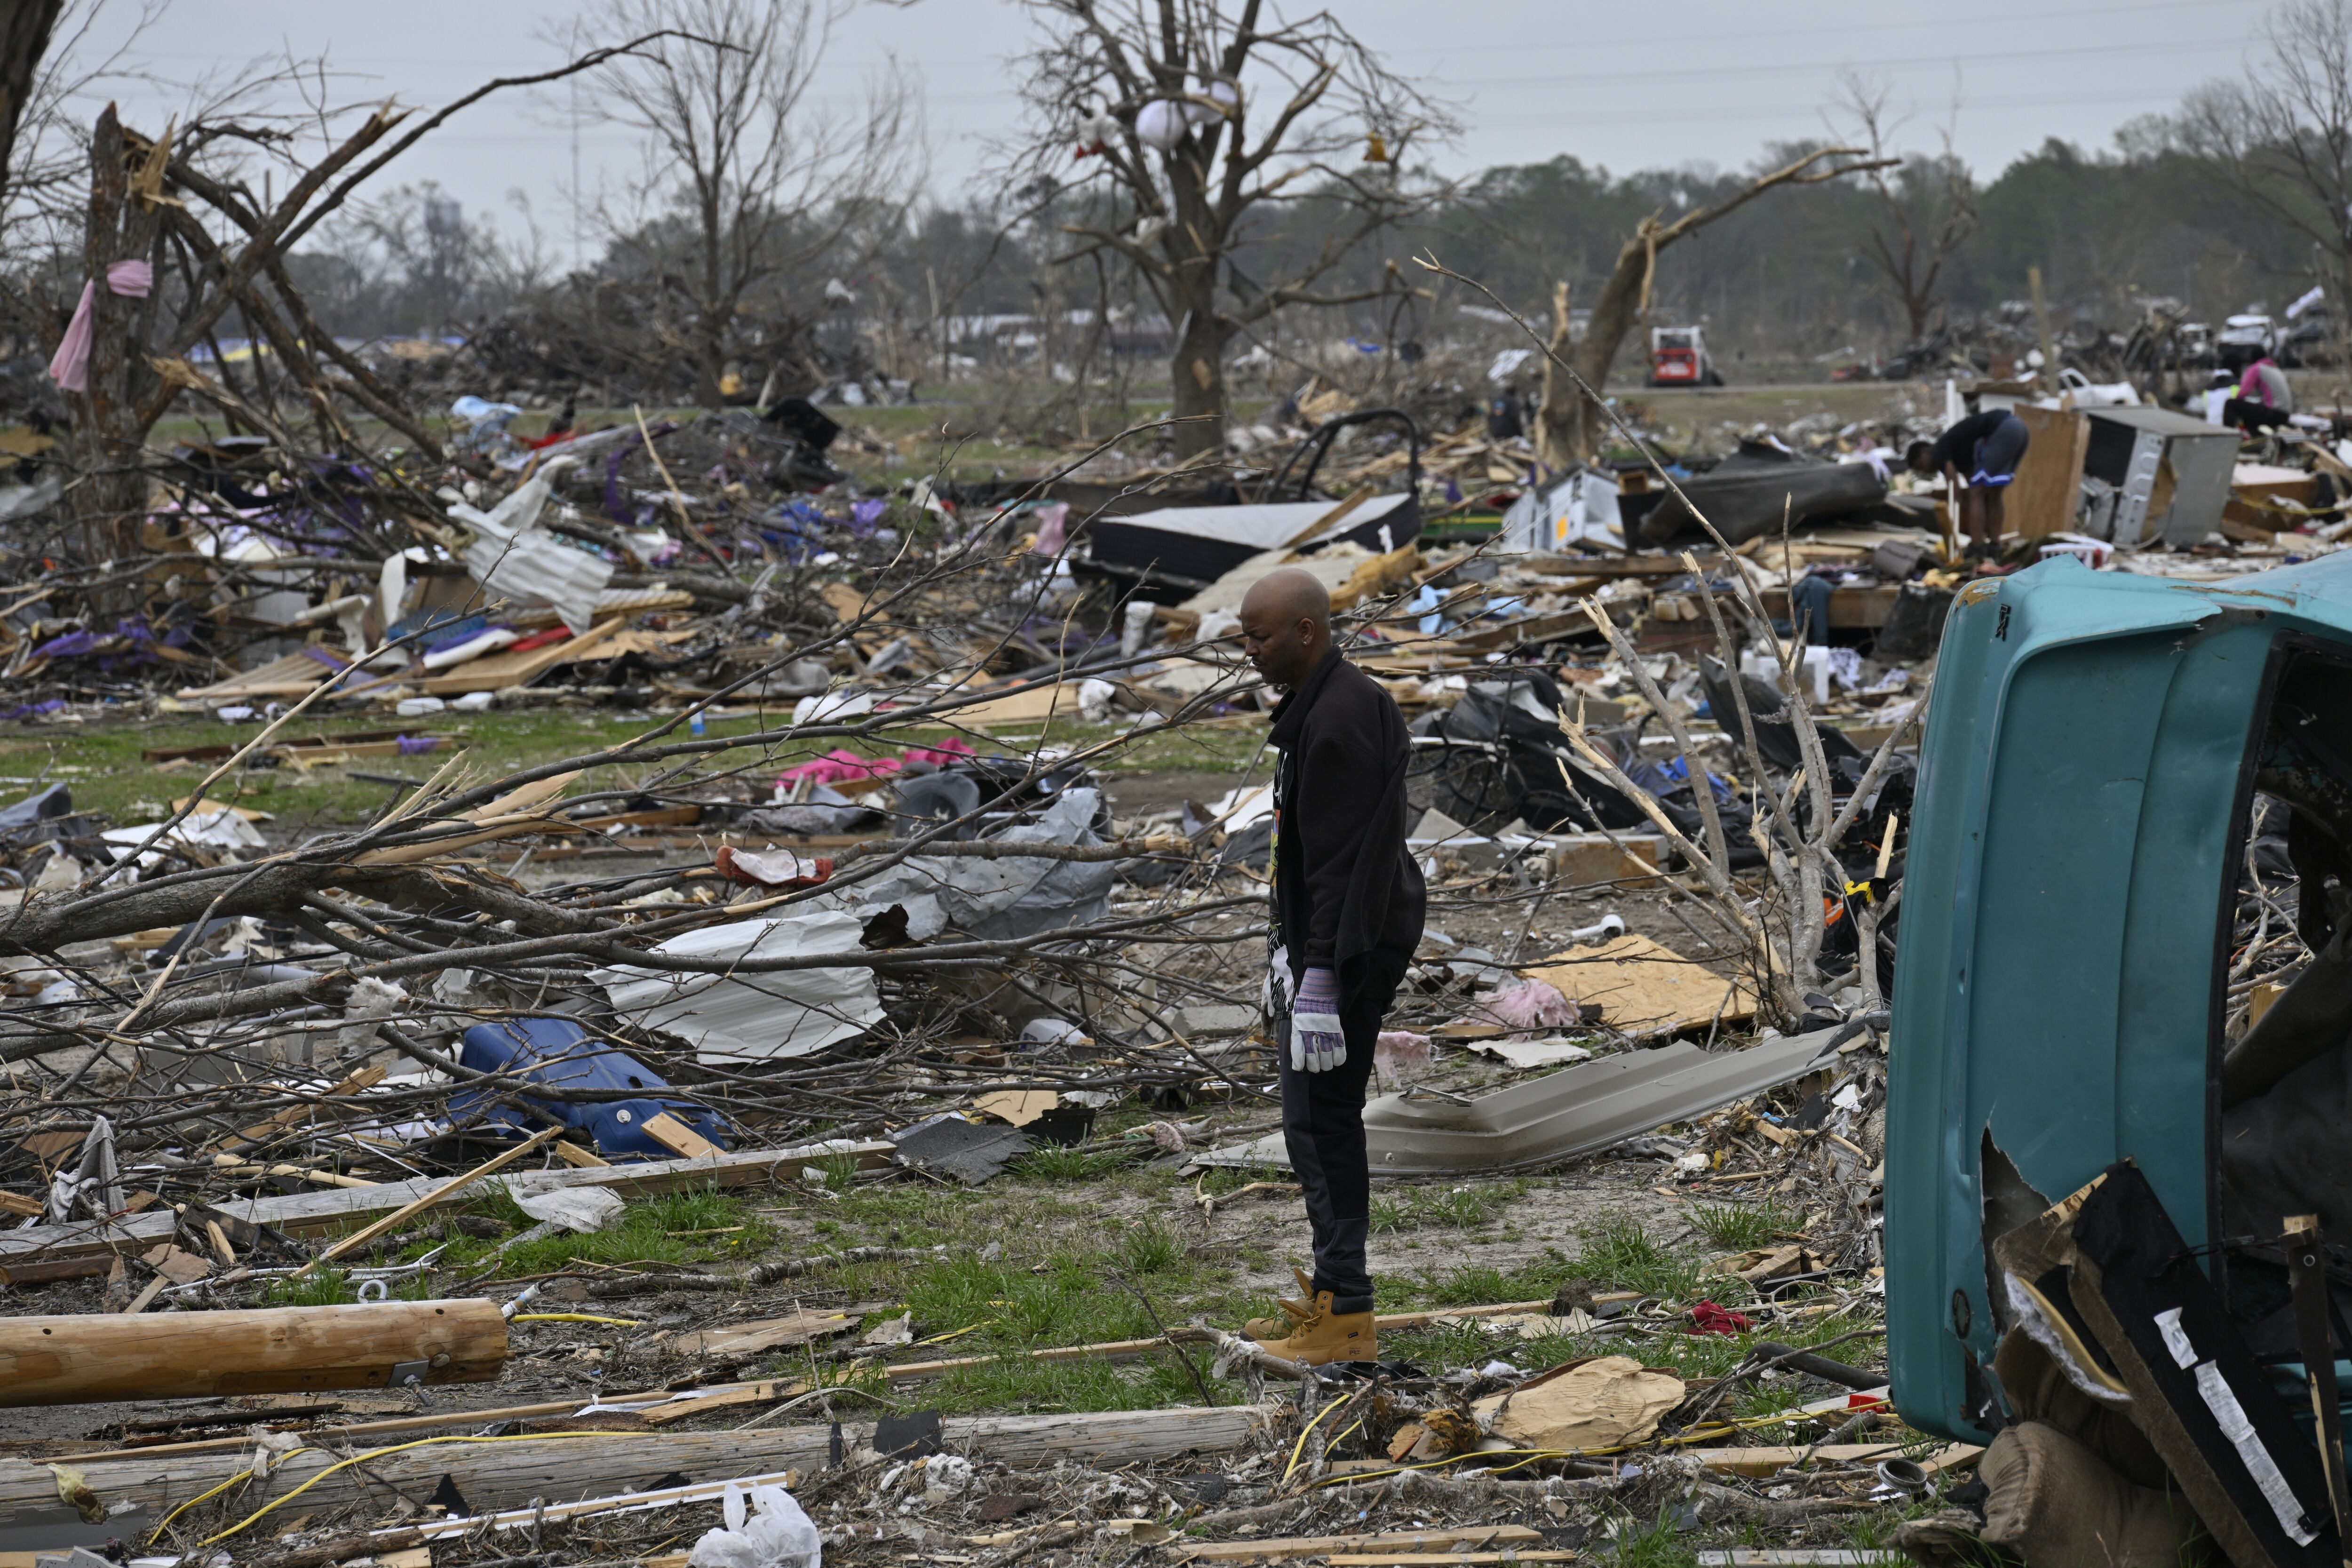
[
  {"x": 998, "y": 898},
  {"x": 513, "y": 558},
  {"x": 754, "y": 1017}
]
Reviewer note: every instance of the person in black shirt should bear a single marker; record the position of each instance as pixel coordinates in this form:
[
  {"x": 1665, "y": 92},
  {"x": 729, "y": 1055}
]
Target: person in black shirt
[
  {"x": 1981, "y": 452},
  {"x": 1347, "y": 904}
]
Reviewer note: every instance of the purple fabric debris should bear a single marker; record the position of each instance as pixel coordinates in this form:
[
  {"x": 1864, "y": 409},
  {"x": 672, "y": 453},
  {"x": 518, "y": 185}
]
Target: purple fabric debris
[{"x": 413, "y": 745}]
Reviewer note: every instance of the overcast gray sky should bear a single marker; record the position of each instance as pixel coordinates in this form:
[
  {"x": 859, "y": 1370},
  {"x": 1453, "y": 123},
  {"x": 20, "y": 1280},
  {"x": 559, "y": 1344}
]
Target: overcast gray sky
[{"x": 1624, "y": 86}]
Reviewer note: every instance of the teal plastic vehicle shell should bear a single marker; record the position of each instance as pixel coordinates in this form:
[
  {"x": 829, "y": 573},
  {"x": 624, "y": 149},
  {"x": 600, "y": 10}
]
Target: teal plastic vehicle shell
[{"x": 2083, "y": 788}]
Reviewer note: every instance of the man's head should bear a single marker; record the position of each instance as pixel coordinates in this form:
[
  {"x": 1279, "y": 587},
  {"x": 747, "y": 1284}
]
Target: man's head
[
  {"x": 1285, "y": 625},
  {"x": 1921, "y": 457}
]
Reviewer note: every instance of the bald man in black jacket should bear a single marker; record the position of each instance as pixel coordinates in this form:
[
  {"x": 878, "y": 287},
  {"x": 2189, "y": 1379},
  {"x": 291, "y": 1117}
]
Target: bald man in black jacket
[{"x": 1346, "y": 907}]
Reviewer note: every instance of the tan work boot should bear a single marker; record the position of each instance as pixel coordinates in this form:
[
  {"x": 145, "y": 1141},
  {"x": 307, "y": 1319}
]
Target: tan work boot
[
  {"x": 1321, "y": 1335},
  {"x": 1292, "y": 1313}
]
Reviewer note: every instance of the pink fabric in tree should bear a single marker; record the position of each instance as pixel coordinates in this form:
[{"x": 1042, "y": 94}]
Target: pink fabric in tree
[{"x": 69, "y": 366}]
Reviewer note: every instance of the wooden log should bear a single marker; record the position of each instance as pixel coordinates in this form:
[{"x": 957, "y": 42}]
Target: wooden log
[
  {"x": 270, "y": 1350},
  {"x": 500, "y": 1475}
]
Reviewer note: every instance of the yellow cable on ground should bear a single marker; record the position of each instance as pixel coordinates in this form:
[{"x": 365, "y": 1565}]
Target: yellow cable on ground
[
  {"x": 575, "y": 1318},
  {"x": 200, "y": 1497},
  {"x": 248, "y": 1520},
  {"x": 1300, "y": 1447}
]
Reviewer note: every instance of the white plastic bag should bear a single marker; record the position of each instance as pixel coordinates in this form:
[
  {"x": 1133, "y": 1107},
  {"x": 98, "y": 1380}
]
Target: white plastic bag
[{"x": 778, "y": 1536}]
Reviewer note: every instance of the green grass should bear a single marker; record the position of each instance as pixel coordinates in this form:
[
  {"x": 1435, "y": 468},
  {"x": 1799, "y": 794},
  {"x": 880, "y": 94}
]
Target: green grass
[
  {"x": 1457, "y": 1209},
  {"x": 100, "y": 761},
  {"x": 1054, "y": 1162},
  {"x": 1659, "y": 1544},
  {"x": 1220, "y": 1180},
  {"x": 655, "y": 1230},
  {"x": 1619, "y": 1253},
  {"x": 1739, "y": 1227}
]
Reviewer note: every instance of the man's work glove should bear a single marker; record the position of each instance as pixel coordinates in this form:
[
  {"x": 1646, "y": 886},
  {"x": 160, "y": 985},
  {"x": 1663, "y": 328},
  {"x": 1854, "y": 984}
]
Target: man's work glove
[{"x": 1315, "y": 1042}]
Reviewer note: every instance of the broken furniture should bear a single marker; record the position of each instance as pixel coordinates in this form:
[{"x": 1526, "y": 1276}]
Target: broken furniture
[{"x": 2131, "y": 476}]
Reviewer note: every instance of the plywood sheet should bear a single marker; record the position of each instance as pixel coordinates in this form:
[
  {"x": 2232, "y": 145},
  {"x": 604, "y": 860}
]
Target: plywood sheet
[
  {"x": 495, "y": 672},
  {"x": 2048, "y": 488},
  {"x": 1645, "y": 988},
  {"x": 1029, "y": 705}
]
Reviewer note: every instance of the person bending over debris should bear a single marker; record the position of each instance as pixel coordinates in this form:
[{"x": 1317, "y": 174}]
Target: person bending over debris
[
  {"x": 1986, "y": 448},
  {"x": 2265, "y": 400},
  {"x": 1346, "y": 903}
]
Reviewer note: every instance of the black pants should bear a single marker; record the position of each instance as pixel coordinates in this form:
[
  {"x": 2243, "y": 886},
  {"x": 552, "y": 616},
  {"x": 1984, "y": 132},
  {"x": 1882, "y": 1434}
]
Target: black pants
[
  {"x": 1323, "y": 1127},
  {"x": 2253, "y": 417}
]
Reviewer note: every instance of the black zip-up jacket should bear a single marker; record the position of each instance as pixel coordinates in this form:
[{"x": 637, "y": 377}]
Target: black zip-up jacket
[{"x": 1347, "y": 894}]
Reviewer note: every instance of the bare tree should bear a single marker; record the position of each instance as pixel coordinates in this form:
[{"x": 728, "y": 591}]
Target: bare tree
[
  {"x": 1927, "y": 207},
  {"x": 1205, "y": 123},
  {"x": 1569, "y": 426},
  {"x": 185, "y": 204},
  {"x": 2283, "y": 134},
  {"x": 749, "y": 184}
]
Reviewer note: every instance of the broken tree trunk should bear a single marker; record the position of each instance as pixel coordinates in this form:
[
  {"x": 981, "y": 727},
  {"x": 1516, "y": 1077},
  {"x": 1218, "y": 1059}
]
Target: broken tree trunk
[
  {"x": 562, "y": 1469},
  {"x": 1568, "y": 426},
  {"x": 93, "y": 1357}
]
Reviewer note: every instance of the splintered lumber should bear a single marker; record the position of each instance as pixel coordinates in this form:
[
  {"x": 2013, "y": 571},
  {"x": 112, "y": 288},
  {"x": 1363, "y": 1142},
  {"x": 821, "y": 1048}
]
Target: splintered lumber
[
  {"x": 272, "y": 1349},
  {"x": 1771, "y": 1460},
  {"x": 433, "y": 1199},
  {"x": 563, "y": 1469},
  {"x": 72, "y": 1251},
  {"x": 1468, "y": 1537}
]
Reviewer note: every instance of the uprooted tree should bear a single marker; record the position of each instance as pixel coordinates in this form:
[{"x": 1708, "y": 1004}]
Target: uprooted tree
[
  {"x": 1204, "y": 126},
  {"x": 190, "y": 205},
  {"x": 1569, "y": 428}
]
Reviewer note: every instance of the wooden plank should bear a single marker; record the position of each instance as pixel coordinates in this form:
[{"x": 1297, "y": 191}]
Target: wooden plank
[
  {"x": 748, "y": 1394},
  {"x": 91, "y": 1357},
  {"x": 1661, "y": 564},
  {"x": 2048, "y": 488},
  {"x": 492, "y": 672},
  {"x": 1645, "y": 987},
  {"x": 1395, "y": 1541},
  {"x": 1358, "y": 1559},
  {"x": 566, "y": 1469},
  {"x": 25, "y": 1255},
  {"x": 1029, "y": 705},
  {"x": 762, "y": 1334},
  {"x": 1771, "y": 1460},
  {"x": 679, "y": 1137},
  {"x": 433, "y": 1199},
  {"x": 1861, "y": 610}
]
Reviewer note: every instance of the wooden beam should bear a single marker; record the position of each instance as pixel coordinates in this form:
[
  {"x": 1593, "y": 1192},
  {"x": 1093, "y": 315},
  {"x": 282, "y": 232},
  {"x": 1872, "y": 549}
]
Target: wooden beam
[
  {"x": 1771, "y": 1460},
  {"x": 563, "y": 1469},
  {"x": 1394, "y": 1541},
  {"x": 94, "y": 1357},
  {"x": 434, "y": 1198}
]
